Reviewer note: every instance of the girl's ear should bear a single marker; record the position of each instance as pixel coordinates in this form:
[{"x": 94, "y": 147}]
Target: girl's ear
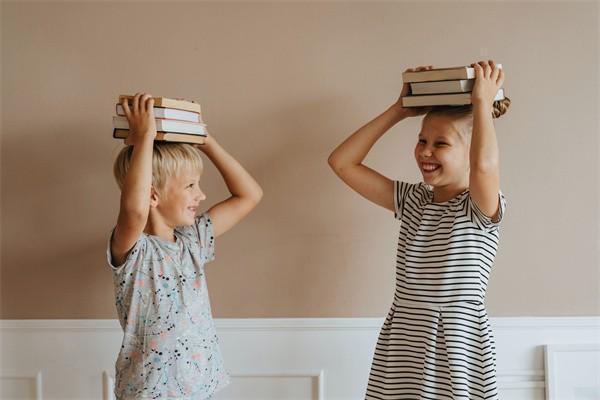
[{"x": 154, "y": 197}]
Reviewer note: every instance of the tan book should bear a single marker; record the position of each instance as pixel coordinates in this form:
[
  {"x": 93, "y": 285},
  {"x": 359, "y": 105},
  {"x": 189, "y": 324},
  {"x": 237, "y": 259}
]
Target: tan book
[
  {"x": 440, "y": 74},
  {"x": 170, "y": 113},
  {"x": 453, "y": 99},
  {"x": 180, "y": 104},
  {"x": 166, "y": 125},
  {"x": 163, "y": 136}
]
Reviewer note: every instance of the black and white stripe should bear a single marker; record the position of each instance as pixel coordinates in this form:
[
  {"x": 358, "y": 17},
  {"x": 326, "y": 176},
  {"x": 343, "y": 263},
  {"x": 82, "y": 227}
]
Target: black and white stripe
[{"x": 436, "y": 342}]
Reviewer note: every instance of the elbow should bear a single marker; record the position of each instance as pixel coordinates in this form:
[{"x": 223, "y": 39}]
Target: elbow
[
  {"x": 334, "y": 163},
  {"x": 484, "y": 167}
]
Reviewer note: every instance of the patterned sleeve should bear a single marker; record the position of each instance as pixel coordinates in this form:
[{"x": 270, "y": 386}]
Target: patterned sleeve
[
  {"x": 401, "y": 190},
  {"x": 133, "y": 258},
  {"x": 204, "y": 229},
  {"x": 481, "y": 220}
]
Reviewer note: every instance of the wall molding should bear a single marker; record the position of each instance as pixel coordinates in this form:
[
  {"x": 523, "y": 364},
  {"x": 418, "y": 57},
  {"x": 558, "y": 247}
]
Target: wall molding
[
  {"x": 76, "y": 357},
  {"x": 270, "y": 324}
]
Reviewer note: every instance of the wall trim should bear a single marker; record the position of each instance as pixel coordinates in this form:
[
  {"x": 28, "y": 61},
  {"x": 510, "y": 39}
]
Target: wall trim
[{"x": 260, "y": 324}]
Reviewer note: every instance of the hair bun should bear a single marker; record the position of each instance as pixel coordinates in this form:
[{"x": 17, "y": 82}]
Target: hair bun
[{"x": 500, "y": 107}]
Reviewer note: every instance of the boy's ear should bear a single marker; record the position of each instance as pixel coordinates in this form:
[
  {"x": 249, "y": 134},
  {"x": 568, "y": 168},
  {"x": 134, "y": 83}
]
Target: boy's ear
[{"x": 154, "y": 197}]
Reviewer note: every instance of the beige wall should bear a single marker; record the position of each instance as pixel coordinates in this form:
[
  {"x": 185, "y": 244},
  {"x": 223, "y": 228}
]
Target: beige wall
[{"x": 280, "y": 86}]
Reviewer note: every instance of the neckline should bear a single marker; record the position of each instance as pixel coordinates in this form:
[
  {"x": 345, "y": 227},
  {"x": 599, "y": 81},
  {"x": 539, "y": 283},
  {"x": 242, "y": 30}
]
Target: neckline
[
  {"x": 456, "y": 198},
  {"x": 173, "y": 245}
]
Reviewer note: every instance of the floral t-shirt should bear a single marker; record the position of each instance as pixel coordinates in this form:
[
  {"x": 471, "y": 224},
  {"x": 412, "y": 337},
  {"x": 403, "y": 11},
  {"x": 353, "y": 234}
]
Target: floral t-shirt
[{"x": 170, "y": 349}]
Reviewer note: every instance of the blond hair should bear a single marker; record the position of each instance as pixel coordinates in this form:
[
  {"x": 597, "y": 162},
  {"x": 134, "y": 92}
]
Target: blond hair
[
  {"x": 168, "y": 159},
  {"x": 500, "y": 107}
]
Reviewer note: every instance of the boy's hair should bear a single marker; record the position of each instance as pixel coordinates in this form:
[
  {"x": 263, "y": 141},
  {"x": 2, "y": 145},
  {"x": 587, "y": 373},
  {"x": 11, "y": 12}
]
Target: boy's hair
[
  {"x": 168, "y": 159},
  {"x": 499, "y": 108}
]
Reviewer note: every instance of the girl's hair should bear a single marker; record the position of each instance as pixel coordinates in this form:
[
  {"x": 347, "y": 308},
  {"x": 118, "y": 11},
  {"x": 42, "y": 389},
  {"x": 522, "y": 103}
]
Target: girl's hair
[
  {"x": 499, "y": 108},
  {"x": 168, "y": 159}
]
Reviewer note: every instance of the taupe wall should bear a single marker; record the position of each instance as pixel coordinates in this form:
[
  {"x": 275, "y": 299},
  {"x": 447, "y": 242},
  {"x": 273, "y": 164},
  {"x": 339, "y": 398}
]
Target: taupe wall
[{"x": 280, "y": 86}]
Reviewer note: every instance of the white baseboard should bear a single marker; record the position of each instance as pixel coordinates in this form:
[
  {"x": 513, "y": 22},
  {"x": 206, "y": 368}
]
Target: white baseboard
[{"x": 274, "y": 358}]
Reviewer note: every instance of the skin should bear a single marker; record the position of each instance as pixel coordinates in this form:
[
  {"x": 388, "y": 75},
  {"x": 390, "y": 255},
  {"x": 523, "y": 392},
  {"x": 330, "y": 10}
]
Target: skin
[
  {"x": 462, "y": 163},
  {"x": 143, "y": 208}
]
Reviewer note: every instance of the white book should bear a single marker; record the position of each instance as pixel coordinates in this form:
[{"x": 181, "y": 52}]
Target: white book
[
  {"x": 167, "y": 125},
  {"x": 169, "y": 113},
  {"x": 453, "y": 99},
  {"x": 457, "y": 86}
]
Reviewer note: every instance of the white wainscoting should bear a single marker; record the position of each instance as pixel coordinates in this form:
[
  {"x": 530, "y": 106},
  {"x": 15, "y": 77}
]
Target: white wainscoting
[{"x": 305, "y": 358}]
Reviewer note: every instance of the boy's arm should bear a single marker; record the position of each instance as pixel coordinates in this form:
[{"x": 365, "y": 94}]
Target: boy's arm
[
  {"x": 347, "y": 159},
  {"x": 245, "y": 191},
  {"x": 484, "y": 178},
  {"x": 135, "y": 194}
]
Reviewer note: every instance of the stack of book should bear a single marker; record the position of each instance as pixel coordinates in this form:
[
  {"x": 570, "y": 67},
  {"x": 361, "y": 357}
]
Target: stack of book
[
  {"x": 177, "y": 120},
  {"x": 442, "y": 86}
]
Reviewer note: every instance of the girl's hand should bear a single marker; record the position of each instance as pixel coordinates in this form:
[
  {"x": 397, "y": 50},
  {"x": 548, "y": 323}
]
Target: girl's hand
[
  {"x": 140, "y": 116},
  {"x": 488, "y": 79},
  {"x": 411, "y": 111}
]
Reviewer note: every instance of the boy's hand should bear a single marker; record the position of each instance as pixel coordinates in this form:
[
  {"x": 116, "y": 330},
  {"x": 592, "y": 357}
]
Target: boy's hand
[
  {"x": 140, "y": 116},
  {"x": 411, "y": 111},
  {"x": 488, "y": 80}
]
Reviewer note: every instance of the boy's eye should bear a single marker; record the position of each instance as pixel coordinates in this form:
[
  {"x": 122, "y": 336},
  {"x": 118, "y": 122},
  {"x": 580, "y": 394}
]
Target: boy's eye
[
  {"x": 441, "y": 144},
  {"x": 422, "y": 141}
]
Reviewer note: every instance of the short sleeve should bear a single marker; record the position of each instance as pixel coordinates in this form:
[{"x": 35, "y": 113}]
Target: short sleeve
[
  {"x": 134, "y": 256},
  {"x": 204, "y": 228},
  {"x": 400, "y": 192},
  {"x": 482, "y": 221}
]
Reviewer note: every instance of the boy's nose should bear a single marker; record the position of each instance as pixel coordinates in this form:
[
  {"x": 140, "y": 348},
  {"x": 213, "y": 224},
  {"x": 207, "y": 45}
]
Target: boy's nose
[{"x": 201, "y": 195}]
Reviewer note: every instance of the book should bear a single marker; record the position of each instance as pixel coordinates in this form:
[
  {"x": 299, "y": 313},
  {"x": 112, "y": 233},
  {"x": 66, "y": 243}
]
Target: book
[
  {"x": 440, "y": 74},
  {"x": 166, "y": 102},
  {"x": 162, "y": 136},
  {"x": 451, "y": 99},
  {"x": 167, "y": 125},
  {"x": 438, "y": 87},
  {"x": 169, "y": 113}
]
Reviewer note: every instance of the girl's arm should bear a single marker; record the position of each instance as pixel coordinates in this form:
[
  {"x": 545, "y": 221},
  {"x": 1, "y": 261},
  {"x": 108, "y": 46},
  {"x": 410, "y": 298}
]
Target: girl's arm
[
  {"x": 347, "y": 159},
  {"x": 484, "y": 178},
  {"x": 245, "y": 191},
  {"x": 135, "y": 194}
]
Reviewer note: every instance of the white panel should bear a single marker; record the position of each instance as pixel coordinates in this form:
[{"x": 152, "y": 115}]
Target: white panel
[
  {"x": 19, "y": 386},
  {"x": 573, "y": 371}
]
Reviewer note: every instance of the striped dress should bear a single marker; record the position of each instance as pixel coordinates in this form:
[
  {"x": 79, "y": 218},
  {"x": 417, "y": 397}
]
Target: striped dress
[{"x": 436, "y": 342}]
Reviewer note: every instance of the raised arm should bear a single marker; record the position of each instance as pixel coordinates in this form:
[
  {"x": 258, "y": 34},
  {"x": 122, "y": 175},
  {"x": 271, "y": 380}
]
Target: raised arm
[
  {"x": 347, "y": 159},
  {"x": 245, "y": 191},
  {"x": 135, "y": 194},
  {"x": 484, "y": 178}
]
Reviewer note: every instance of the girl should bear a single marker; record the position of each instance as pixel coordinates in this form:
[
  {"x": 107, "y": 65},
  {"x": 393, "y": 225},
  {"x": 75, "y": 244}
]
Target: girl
[
  {"x": 157, "y": 253},
  {"x": 436, "y": 342}
]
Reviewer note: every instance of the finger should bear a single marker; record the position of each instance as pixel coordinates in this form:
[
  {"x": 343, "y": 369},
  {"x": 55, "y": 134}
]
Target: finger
[
  {"x": 500, "y": 79},
  {"x": 125, "y": 105},
  {"x": 143, "y": 100},
  {"x": 150, "y": 104},
  {"x": 478, "y": 70},
  {"x": 135, "y": 104},
  {"x": 495, "y": 70},
  {"x": 486, "y": 68}
]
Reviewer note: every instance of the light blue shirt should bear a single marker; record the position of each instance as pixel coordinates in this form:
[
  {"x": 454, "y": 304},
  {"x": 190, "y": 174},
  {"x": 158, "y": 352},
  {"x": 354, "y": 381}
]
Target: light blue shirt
[{"x": 170, "y": 349}]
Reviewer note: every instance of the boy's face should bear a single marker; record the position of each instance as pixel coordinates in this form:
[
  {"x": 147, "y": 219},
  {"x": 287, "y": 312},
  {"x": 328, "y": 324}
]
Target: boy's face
[
  {"x": 442, "y": 151},
  {"x": 179, "y": 199}
]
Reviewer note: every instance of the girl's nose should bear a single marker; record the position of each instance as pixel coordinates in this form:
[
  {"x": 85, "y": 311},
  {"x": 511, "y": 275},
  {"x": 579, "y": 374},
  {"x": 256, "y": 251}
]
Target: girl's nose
[
  {"x": 425, "y": 152},
  {"x": 201, "y": 195}
]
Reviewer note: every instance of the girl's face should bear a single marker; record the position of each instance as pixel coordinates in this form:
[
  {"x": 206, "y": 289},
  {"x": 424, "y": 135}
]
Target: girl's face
[
  {"x": 442, "y": 152},
  {"x": 180, "y": 198}
]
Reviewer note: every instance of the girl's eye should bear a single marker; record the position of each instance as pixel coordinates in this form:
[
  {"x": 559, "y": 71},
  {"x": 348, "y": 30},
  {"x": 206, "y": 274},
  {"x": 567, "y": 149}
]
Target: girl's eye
[
  {"x": 421, "y": 141},
  {"x": 441, "y": 144}
]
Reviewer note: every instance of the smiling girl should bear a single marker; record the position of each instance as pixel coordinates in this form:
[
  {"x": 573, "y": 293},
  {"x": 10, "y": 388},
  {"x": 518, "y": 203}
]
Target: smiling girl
[{"x": 436, "y": 342}]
